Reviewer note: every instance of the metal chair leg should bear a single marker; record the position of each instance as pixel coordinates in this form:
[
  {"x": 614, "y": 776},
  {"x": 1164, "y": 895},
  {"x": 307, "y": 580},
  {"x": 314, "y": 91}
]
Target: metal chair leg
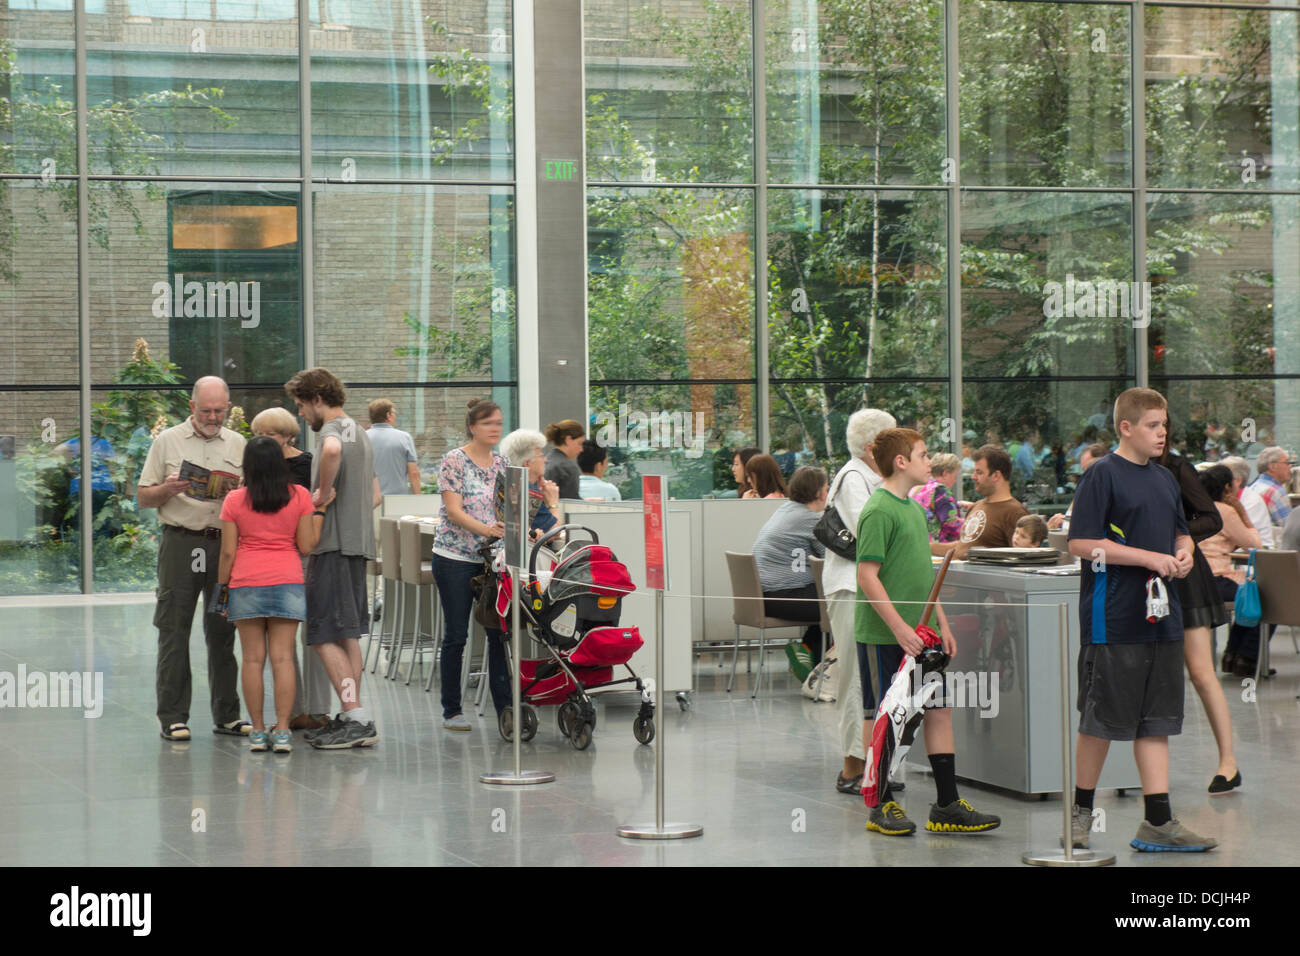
[
  {"x": 821, "y": 676},
  {"x": 762, "y": 653},
  {"x": 735, "y": 659},
  {"x": 395, "y": 665}
]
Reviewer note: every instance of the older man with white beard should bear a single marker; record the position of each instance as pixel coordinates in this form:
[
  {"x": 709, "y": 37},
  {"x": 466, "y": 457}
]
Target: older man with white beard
[{"x": 188, "y": 556}]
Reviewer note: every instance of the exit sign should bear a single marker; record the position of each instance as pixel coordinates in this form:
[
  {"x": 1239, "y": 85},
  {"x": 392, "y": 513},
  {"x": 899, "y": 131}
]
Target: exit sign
[{"x": 561, "y": 169}]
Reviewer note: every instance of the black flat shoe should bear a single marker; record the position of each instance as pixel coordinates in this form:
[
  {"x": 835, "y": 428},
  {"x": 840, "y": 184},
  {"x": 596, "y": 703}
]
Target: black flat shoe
[
  {"x": 1221, "y": 785},
  {"x": 1229, "y": 663}
]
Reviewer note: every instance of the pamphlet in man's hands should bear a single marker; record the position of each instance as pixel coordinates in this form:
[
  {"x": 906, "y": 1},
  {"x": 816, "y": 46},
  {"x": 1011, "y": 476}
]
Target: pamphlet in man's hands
[{"x": 207, "y": 485}]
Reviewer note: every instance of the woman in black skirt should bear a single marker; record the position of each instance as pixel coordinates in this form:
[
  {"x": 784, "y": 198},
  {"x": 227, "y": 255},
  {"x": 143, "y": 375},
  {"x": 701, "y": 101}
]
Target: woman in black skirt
[{"x": 1203, "y": 610}]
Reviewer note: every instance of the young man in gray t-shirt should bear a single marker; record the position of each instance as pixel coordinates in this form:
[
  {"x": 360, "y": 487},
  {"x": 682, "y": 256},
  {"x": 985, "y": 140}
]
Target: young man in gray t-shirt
[{"x": 344, "y": 486}]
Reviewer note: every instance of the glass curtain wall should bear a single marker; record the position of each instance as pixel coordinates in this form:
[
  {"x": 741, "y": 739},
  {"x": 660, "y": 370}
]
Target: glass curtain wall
[
  {"x": 1111, "y": 229},
  {"x": 205, "y": 207}
]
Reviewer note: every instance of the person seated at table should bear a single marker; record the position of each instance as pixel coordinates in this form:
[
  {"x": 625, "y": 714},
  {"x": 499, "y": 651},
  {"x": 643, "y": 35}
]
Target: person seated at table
[
  {"x": 942, "y": 512},
  {"x": 593, "y": 461},
  {"x": 764, "y": 478},
  {"x": 1031, "y": 532},
  {"x": 738, "y": 462},
  {"x": 996, "y": 513},
  {"x": 1089, "y": 454},
  {"x": 781, "y": 553},
  {"x": 1256, "y": 507},
  {"x": 1240, "y": 653}
]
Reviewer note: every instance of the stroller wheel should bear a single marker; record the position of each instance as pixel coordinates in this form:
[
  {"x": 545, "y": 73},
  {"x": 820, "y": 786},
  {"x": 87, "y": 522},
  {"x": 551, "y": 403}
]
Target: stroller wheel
[
  {"x": 528, "y": 722},
  {"x": 566, "y": 717},
  {"x": 643, "y": 728},
  {"x": 580, "y": 736}
]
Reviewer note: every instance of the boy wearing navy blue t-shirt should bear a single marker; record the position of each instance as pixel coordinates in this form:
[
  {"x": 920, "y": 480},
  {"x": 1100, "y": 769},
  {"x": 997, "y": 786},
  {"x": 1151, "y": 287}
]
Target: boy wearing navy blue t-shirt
[{"x": 1129, "y": 531}]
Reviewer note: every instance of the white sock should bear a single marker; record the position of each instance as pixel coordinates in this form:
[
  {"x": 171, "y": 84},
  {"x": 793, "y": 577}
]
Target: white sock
[{"x": 356, "y": 713}]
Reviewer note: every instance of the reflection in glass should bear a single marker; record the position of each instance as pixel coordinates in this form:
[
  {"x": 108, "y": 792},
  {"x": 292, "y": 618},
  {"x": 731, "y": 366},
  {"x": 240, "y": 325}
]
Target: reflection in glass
[
  {"x": 38, "y": 128},
  {"x": 397, "y": 94},
  {"x": 176, "y": 87},
  {"x": 843, "y": 107},
  {"x": 416, "y": 283},
  {"x": 1045, "y": 94},
  {"x": 687, "y": 432},
  {"x": 857, "y": 292},
  {"x": 1226, "y": 272},
  {"x": 38, "y": 283},
  {"x": 1054, "y": 421},
  {"x": 1222, "y": 98},
  {"x": 207, "y": 275},
  {"x": 1047, "y": 285},
  {"x": 39, "y": 534},
  {"x": 670, "y": 289},
  {"x": 669, "y": 99}
]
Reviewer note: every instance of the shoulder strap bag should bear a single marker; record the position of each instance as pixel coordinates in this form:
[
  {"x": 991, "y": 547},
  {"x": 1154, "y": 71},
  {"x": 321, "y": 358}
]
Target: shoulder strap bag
[{"x": 830, "y": 531}]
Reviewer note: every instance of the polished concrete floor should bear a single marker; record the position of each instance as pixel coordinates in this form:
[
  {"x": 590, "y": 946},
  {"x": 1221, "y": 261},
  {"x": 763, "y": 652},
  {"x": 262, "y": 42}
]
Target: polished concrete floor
[{"x": 756, "y": 773}]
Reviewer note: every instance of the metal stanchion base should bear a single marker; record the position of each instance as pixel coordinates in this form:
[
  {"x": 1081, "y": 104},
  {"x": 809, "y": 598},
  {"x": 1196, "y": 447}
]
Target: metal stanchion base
[
  {"x": 669, "y": 831},
  {"x": 509, "y": 778},
  {"x": 1057, "y": 858}
]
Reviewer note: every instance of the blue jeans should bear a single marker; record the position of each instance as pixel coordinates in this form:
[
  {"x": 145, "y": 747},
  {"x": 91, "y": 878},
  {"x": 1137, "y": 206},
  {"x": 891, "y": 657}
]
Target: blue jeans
[{"x": 452, "y": 578}]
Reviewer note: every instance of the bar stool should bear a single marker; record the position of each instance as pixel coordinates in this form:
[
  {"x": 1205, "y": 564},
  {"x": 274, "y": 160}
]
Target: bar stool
[
  {"x": 390, "y": 573},
  {"x": 419, "y": 574}
]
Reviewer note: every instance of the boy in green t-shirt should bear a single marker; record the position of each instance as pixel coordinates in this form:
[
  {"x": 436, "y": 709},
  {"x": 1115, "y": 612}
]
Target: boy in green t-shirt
[{"x": 894, "y": 565}]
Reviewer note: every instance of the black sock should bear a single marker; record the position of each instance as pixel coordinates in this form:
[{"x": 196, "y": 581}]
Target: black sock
[
  {"x": 885, "y": 796},
  {"x": 945, "y": 777},
  {"x": 1083, "y": 798},
  {"x": 1157, "y": 809}
]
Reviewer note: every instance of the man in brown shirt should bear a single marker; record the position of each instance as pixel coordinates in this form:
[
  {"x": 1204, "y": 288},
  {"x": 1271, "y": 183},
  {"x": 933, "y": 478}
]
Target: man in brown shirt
[
  {"x": 188, "y": 556},
  {"x": 997, "y": 512}
]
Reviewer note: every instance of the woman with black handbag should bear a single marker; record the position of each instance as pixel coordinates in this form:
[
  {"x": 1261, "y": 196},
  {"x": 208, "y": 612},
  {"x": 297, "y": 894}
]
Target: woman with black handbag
[{"x": 853, "y": 485}]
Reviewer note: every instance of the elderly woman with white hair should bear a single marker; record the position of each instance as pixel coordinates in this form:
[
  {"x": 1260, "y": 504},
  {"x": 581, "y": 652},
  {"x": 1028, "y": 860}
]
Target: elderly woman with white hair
[
  {"x": 1256, "y": 509},
  {"x": 527, "y": 449},
  {"x": 849, "y": 491}
]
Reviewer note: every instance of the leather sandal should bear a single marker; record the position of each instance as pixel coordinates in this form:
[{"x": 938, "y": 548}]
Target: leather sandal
[{"x": 176, "y": 732}]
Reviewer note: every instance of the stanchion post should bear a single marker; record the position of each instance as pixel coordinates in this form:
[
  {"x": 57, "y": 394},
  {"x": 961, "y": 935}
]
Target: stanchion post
[
  {"x": 654, "y": 494},
  {"x": 1066, "y": 855},
  {"x": 516, "y": 542}
]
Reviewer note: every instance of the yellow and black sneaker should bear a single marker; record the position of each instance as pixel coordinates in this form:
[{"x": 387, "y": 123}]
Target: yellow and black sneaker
[
  {"x": 960, "y": 817},
  {"x": 890, "y": 820}
]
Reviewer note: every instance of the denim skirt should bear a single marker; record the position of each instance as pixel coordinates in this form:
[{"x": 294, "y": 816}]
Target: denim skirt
[{"x": 277, "y": 600}]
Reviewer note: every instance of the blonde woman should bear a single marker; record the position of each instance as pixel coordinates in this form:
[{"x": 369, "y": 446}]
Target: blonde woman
[{"x": 312, "y": 689}]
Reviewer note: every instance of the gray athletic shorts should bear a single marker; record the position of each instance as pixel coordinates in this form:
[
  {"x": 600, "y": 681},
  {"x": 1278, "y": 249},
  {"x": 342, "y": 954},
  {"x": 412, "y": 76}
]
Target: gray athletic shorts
[
  {"x": 1128, "y": 691},
  {"x": 337, "y": 608}
]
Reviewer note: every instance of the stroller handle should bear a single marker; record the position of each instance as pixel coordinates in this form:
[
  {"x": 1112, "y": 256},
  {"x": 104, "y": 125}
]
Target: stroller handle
[{"x": 558, "y": 529}]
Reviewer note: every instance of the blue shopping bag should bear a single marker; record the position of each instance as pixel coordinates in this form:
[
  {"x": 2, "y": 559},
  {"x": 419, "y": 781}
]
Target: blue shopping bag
[{"x": 1246, "y": 609}]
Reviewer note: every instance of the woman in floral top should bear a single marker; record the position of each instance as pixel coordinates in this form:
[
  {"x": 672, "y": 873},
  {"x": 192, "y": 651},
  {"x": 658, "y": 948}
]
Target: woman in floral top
[
  {"x": 942, "y": 512},
  {"x": 467, "y": 481}
]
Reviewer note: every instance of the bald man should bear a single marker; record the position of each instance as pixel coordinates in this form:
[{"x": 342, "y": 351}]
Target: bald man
[{"x": 188, "y": 556}]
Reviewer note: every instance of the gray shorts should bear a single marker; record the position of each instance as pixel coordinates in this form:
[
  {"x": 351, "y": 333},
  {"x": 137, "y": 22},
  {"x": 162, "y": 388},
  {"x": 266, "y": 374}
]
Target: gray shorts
[
  {"x": 337, "y": 608},
  {"x": 1128, "y": 691}
]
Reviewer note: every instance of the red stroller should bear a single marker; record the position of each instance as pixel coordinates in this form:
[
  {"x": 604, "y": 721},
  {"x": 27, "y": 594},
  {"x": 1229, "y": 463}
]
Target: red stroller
[{"x": 572, "y": 609}]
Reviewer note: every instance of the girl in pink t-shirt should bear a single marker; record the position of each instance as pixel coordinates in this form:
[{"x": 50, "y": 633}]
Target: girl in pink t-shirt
[{"x": 265, "y": 526}]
